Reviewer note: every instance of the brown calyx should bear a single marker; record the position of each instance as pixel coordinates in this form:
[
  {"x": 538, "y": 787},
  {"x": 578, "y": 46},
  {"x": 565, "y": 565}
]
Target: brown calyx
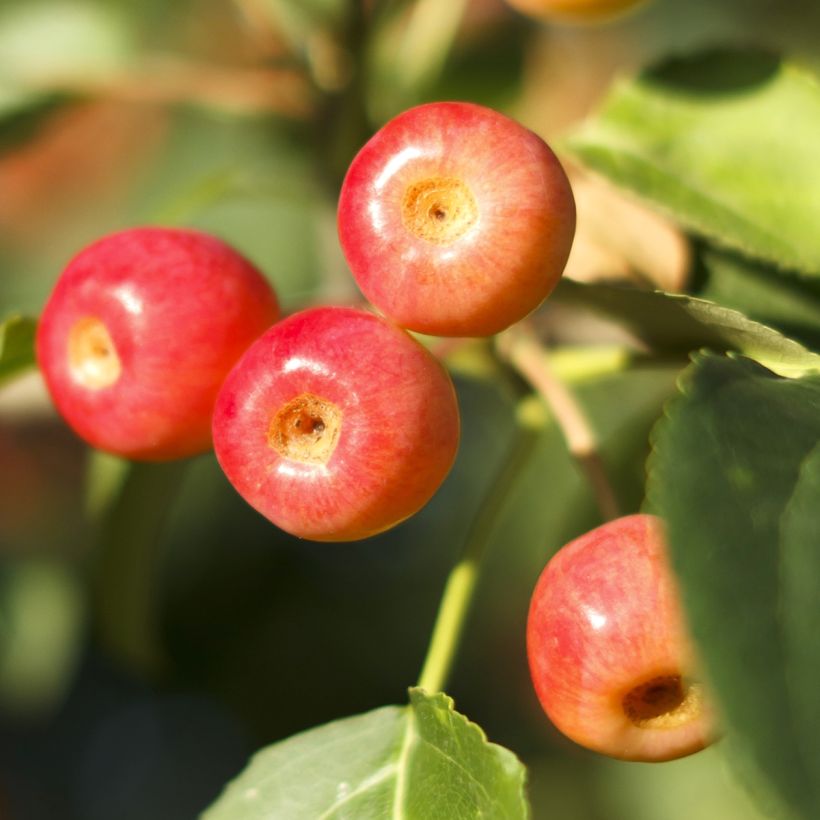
[
  {"x": 663, "y": 702},
  {"x": 306, "y": 429},
  {"x": 439, "y": 210},
  {"x": 92, "y": 357}
]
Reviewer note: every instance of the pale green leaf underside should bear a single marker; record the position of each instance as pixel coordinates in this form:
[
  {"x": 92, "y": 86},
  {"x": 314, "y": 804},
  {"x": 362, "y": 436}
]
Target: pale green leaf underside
[
  {"x": 16, "y": 345},
  {"x": 678, "y": 324},
  {"x": 420, "y": 762},
  {"x": 726, "y": 143},
  {"x": 734, "y": 475}
]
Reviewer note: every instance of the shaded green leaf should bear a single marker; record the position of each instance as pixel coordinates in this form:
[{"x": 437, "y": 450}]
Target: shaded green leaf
[
  {"x": 16, "y": 345},
  {"x": 678, "y": 323},
  {"x": 727, "y": 463},
  {"x": 705, "y": 139},
  {"x": 800, "y": 569},
  {"x": 778, "y": 298},
  {"x": 421, "y": 761}
]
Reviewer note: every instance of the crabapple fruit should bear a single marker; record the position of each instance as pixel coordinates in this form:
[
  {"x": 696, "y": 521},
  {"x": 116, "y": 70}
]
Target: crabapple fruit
[
  {"x": 574, "y": 10},
  {"x": 140, "y": 331},
  {"x": 456, "y": 220},
  {"x": 336, "y": 424},
  {"x": 608, "y": 650}
]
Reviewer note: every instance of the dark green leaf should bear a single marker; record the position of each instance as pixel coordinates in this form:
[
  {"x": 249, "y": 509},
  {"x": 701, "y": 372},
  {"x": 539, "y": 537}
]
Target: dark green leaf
[
  {"x": 800, "y": 568},
  {"x": 778, "y": 298},
  {"x": 678, "y": 324},
  {"x": 421, "y": 762},
  {"x": 726, "y": 465},
  {"x": 16, "y": 345},
  {"x": 724, "y": 142}
]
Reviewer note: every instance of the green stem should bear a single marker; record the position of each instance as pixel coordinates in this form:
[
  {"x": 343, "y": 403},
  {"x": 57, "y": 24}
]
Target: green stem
[{"x": 461, "y": 584}]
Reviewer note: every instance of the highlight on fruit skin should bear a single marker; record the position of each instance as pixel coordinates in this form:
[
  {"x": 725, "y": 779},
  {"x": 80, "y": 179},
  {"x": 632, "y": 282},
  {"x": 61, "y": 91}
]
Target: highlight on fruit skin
[
  {"x": 456, "y": 220},
  {"x": 609, "y": 653},
  {"x": 140, "y": 330},
  {"x": 577, "y": 11},
  {"x": 336, "y": 425}
]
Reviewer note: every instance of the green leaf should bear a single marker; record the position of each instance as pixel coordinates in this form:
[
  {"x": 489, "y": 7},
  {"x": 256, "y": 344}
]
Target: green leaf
[
  {"x": 421, "y": 762},
  {"x": 724, "y": 142},
  {"x": 16, "y": 345},
  {"x": 677, "y": 323},
  {"x": 51, "y": 41},
  {"x": 800, "y": 569},
  {"x": 778, "y": 298},
  {"x": 728, "y": 462}
]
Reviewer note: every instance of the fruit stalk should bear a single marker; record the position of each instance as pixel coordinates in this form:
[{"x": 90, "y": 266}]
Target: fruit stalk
[
  {"x": 526, "y": 355},
  {"x": 461, "y": 583}
]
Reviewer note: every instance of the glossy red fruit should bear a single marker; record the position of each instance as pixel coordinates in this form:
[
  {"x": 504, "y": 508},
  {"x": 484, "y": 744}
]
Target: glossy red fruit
[
  {"x": 456, "y": 220},
  {"x": 608, "y": 649},
  {"x": 579, "y": 11},
  {"x": 139, "y": 333},
  {"x": 336, "y": 424}
]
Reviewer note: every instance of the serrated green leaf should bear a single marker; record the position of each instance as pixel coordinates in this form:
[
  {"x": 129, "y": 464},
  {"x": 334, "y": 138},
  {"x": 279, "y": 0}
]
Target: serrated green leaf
[
  {"x": 16, "y": 345},
  {"x": 726, "y": 465},
  {"x": 726, "y": 143},
  {"x": 421, "y": 762},
  {"x": 676, "y": 323},
  {"x": 778, "y": 298}
]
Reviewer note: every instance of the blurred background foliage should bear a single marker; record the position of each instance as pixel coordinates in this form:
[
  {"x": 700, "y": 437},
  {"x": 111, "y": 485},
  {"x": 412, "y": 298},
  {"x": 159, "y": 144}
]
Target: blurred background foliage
[{"x": 153, "y": 629}]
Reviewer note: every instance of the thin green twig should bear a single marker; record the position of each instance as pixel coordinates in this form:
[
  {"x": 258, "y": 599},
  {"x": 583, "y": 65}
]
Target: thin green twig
[{"x": 460, "y": 587}]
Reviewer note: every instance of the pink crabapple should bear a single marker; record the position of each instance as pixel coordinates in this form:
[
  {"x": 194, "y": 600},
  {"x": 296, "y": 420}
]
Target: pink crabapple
[
  {"x": 579, "y": 11},
  {"x": 139, "y": 333},
  {"x": 336, "y": 424},
  {"x": 608, "y": 650},
  {"x": 456, "y": 220}
]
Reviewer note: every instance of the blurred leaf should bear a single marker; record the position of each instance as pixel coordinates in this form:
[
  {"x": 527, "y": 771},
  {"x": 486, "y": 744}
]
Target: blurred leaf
[
  {"x": 16, "y": 345},
  {"x": 421, "y": 761},
  {"x": 726, "y": 464},
  {"x": 724, "y": 142},
  {"x": 40, "y": 632},
  {"x": 251, "y": 183},
  {"x": 48, "y": 41},
  {"x": 678, "y": 324},
  {"x": 129, "y": 556},
  {"x": 302, "y": 20}
]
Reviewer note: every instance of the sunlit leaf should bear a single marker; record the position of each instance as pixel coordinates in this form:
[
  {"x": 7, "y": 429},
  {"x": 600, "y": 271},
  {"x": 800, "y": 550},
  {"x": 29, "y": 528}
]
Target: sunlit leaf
[
  {"x": 676, "y": 323},
  {"x": 420, "y": 761},
  {"x": 724, "y": 142}
]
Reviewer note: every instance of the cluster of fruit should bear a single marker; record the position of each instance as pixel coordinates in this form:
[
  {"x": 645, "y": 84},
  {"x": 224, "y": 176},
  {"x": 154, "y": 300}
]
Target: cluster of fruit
[
  {"x": 337, "y": 424},
  {"x": 334, "y": 423}
]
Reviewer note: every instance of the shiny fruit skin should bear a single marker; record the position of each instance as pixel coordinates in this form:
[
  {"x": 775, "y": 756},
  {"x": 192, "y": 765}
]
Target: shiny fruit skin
[
  {"x": 179, "y": 307},
  {"x": 456, "y": 220},
  {"x": 605, "y": 621},
  {"x": 578, "y": 11},
  {"x": 392, "y": 412}
]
